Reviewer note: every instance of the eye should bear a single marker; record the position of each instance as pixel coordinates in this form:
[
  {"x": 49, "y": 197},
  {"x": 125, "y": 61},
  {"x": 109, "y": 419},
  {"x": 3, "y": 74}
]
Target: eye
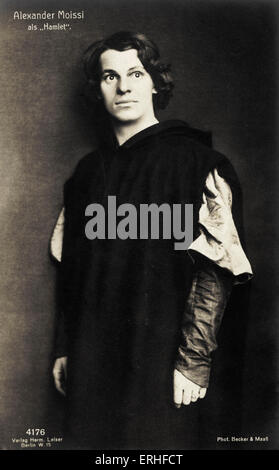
[
  {"x": 137, "y": 74},
  {"x": 109, "y": 78}
]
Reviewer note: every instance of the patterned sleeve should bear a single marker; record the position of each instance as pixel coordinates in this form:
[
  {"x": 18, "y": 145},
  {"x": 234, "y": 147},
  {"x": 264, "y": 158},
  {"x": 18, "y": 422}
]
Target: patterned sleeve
[{"x": 218, "y": 239}]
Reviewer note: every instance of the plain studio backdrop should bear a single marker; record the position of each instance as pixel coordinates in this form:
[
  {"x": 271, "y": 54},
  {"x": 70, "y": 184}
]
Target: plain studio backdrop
[{"x": 223, "y": 57}]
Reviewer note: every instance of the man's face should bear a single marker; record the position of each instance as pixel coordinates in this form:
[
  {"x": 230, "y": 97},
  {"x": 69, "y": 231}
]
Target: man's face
[{"x": 126, "y": 87}]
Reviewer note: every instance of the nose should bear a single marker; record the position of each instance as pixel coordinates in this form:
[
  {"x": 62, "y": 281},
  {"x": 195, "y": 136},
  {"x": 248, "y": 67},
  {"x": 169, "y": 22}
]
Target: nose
[{"x": 122, "y": 85}]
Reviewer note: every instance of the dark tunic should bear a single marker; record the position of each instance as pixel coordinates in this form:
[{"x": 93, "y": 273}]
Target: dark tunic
[{"x": 123, "y": 300}]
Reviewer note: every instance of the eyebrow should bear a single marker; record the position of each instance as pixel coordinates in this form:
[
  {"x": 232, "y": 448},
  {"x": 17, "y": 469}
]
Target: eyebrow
[{"x": 114, "y": 71}]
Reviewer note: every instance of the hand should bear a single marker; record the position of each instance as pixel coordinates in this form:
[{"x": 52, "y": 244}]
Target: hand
[
  {"x": 60, "y": 374},
  {"x": 184, "y": 390}
]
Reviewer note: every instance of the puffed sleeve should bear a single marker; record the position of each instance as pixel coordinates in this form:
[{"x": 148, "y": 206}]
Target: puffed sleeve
[
  {"x": 218, "y": 239},
  {"x": 56, "y": 241}
]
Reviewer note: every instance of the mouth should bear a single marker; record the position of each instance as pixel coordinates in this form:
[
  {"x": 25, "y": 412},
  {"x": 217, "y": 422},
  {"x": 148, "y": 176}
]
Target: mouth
[{"x": 125, "y": 102}]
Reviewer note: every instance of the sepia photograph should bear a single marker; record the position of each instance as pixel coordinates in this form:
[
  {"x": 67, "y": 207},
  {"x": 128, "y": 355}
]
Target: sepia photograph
[{"x": 139, "y": 290}]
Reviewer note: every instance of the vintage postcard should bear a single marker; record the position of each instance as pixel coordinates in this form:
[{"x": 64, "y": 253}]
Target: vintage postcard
[{"x": 139, "y": 263}]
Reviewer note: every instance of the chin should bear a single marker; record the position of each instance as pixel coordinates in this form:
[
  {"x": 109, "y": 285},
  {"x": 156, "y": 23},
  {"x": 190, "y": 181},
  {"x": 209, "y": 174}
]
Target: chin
[{"x": 127, "y": 116}]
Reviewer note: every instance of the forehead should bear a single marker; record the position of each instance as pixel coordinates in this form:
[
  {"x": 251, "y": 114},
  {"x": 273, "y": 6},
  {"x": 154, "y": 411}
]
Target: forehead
[{"x": 119, "y": 60}]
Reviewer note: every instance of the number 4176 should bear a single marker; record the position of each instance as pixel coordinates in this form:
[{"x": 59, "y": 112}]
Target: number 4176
[{"x": 35, "y": 432}]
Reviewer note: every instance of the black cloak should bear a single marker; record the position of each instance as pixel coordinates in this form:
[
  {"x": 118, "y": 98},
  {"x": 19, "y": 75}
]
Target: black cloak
[{"x": 123, "y": 300}]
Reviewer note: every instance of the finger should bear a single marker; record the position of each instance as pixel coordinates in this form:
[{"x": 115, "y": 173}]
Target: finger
[
  {"x": 194, "y": 396},
  {"x": 186, "y": 397},
  {"x": 202, "y": 392},
  {"x": 177, "y": 396},
  {"x": 195, "y": 393},
  {"x": 59, "y": 386},
  {"x": 58, "y": 380}
]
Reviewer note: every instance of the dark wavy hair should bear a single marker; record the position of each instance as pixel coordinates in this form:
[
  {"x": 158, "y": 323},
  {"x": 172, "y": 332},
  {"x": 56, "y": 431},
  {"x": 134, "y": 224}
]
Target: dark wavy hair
[{"x": 148, "y": 54}]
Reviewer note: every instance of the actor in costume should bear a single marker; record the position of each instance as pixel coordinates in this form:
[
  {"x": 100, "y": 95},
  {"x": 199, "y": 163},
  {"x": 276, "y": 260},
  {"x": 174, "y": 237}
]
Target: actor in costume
[{"x": 138, "y": 319}]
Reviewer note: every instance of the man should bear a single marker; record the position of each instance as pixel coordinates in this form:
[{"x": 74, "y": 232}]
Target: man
[{"x": 138, "y": 318}]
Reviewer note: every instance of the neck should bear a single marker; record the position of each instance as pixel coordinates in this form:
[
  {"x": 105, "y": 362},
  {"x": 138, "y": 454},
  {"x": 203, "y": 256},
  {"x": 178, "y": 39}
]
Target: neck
[{"x": 124, "y": 131}]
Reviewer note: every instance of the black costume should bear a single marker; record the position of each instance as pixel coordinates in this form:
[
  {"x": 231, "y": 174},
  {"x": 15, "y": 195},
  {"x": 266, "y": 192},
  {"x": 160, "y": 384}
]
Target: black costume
[{"x": 123, "y": 300}]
